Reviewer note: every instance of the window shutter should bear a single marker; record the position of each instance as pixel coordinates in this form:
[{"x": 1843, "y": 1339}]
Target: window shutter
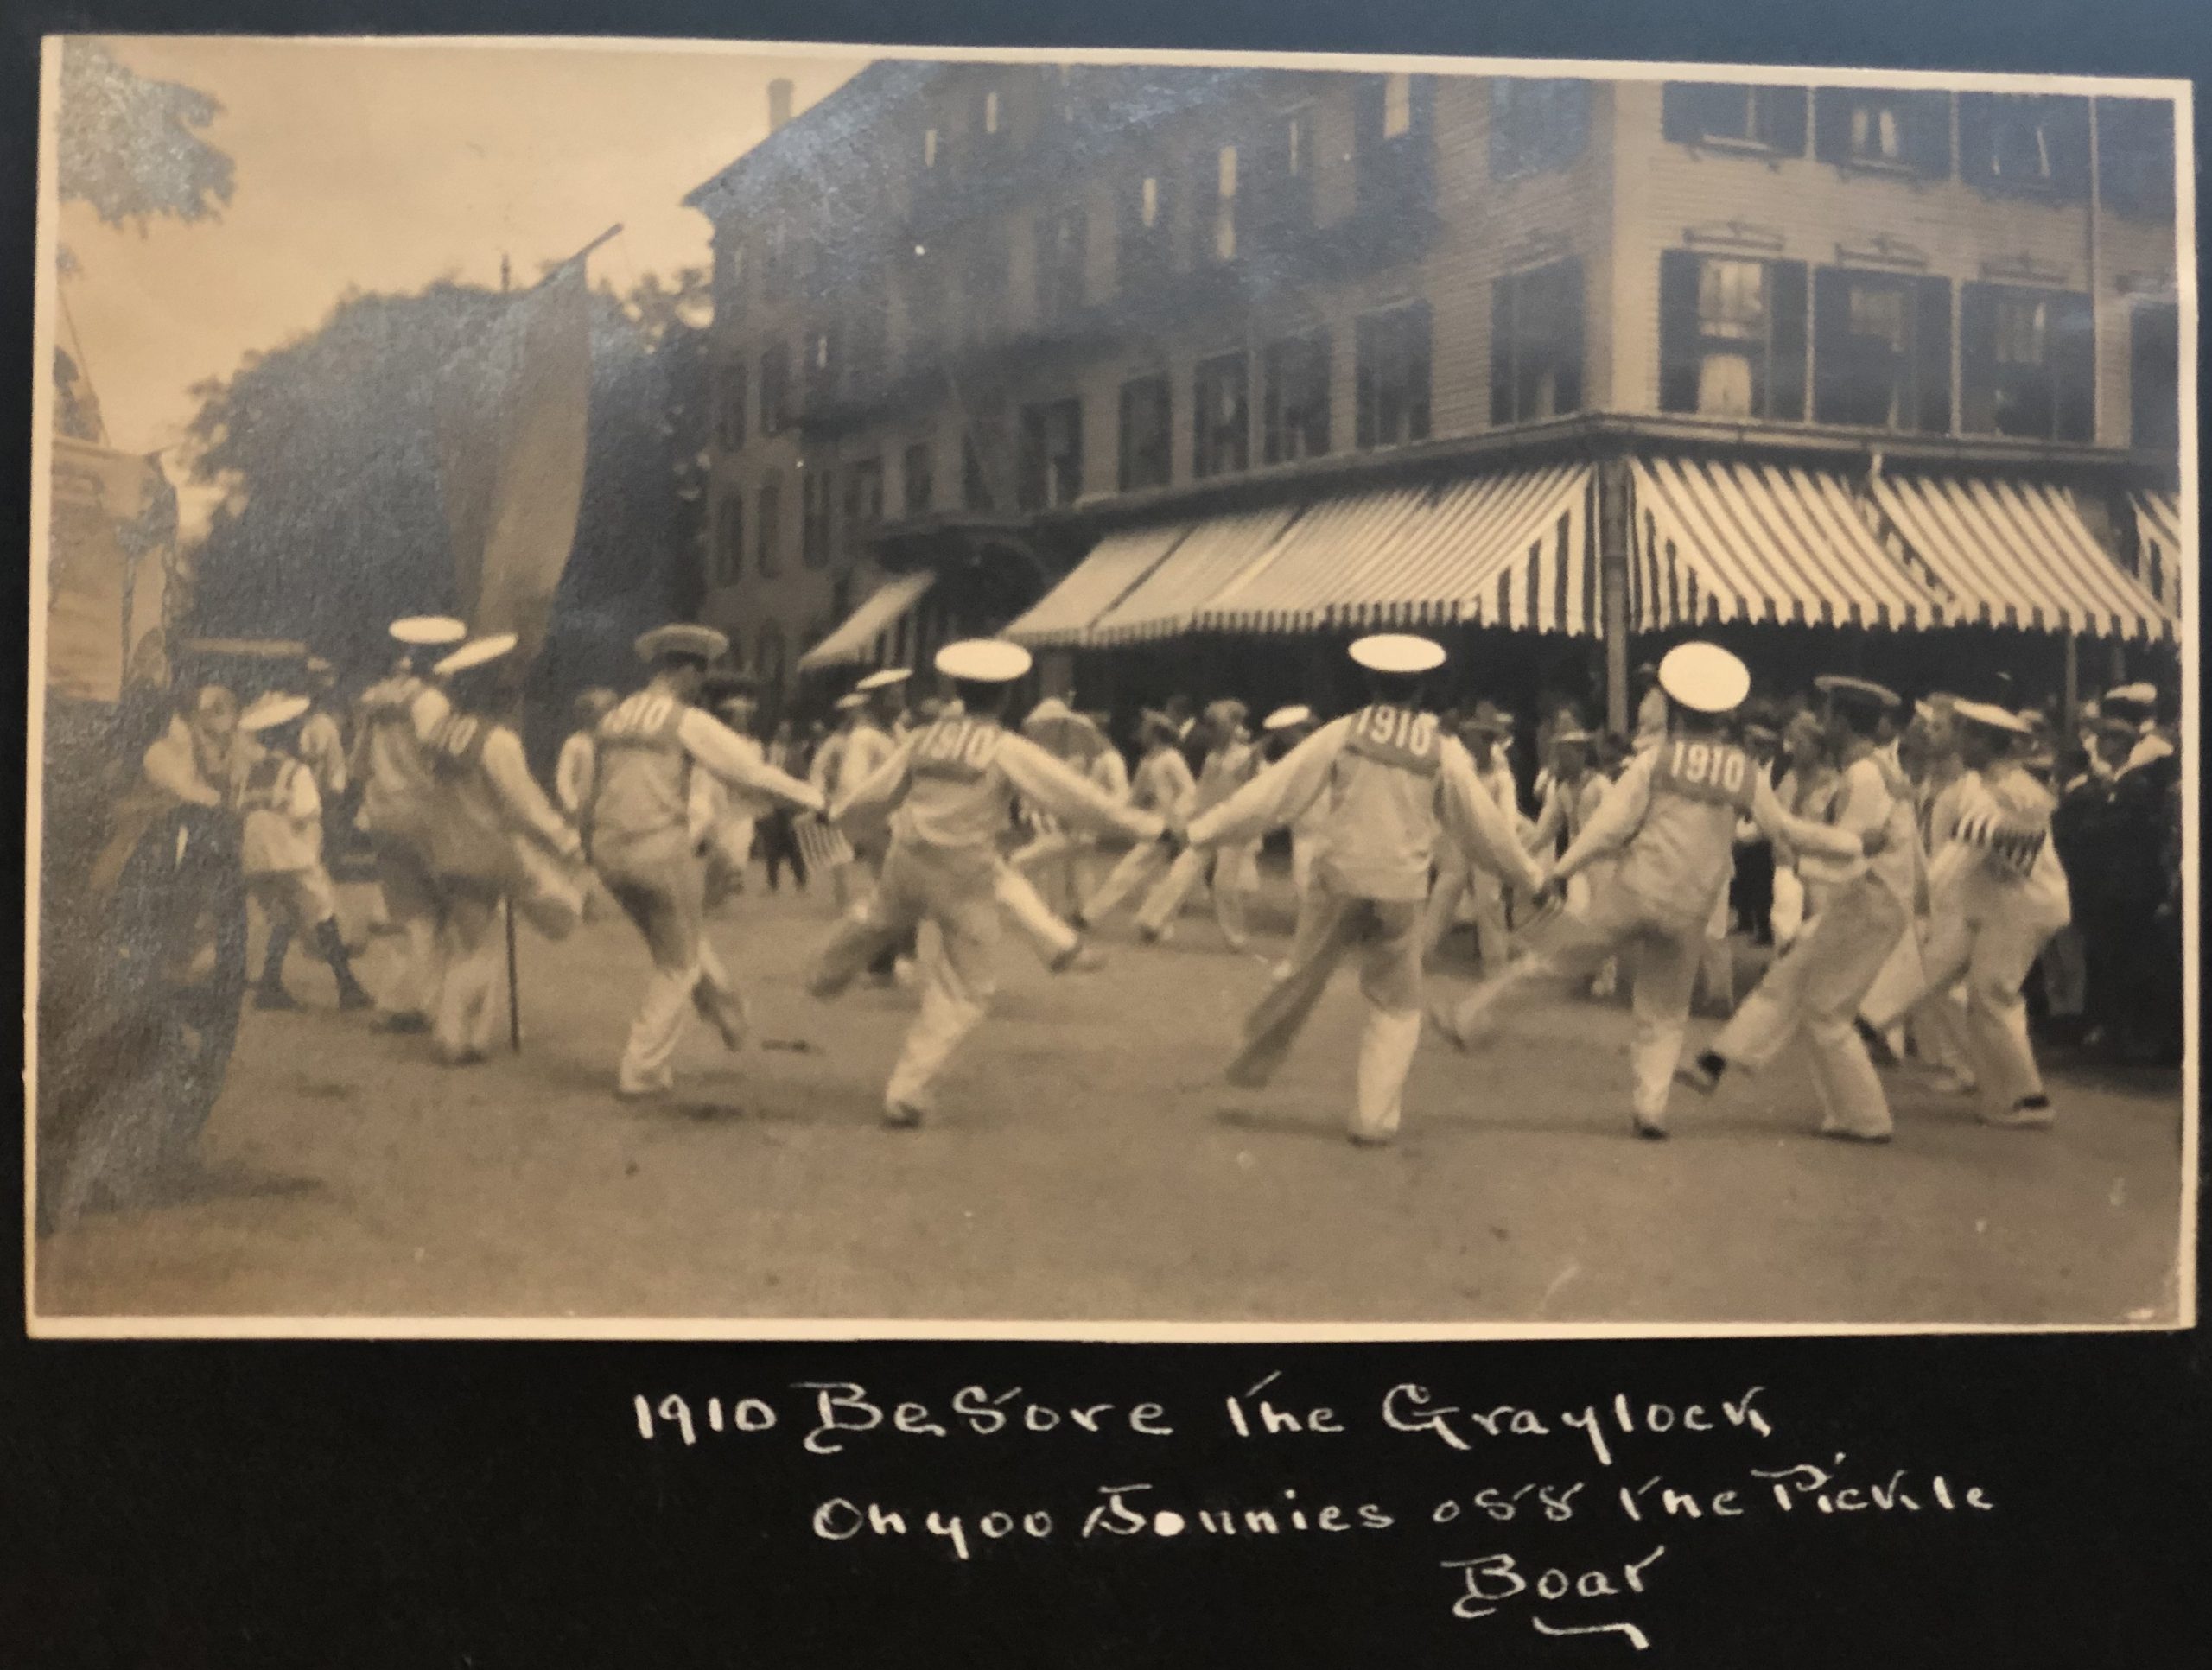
[
  {"x": 1678, "y": 270},
  {"x": 1570, "y": 300},
  {"x": 1977, "y": 359},
  {"x": 1927, "y": 119},
  {"x": 2074, "y": 366},
  {"x": 1786, "y": 374},
  {"x": 1502, "y": 346},
  {"x": 1783, "y": 119},
  {"x": 1832, "y": 124},
  {"x": 1931, "y": 347},
  {"x": 1681, "y": 119},
  {"x": 1833, "y": 367}
]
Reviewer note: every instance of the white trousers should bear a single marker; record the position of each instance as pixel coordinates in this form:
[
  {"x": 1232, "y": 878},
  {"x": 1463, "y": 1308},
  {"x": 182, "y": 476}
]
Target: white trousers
[
  {"x": 410, "y": 903},
  {"x": 1458, "y": 880},
  {"x": 1231, "y": 871},
  {"x": 664, "y": 894},
  {"x": 470, "y": 944},
  {"x": 1052, "y": 939}
]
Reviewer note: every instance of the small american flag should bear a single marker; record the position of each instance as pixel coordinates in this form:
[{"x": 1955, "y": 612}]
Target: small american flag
[{"x": 822, "y": 845}]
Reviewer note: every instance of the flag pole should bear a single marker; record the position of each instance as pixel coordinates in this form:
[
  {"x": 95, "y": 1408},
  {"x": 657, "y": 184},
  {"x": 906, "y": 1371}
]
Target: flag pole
[{"x": 514, "y": 999}]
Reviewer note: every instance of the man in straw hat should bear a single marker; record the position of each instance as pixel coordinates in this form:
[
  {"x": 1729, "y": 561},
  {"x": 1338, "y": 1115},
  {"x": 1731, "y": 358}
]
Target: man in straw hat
[
  {"x": 1672, "y": 819},
  {"x": 1163, "y": 785},
  {"x": 1815, "y": 988},
  {"x": 492, "y": 836},
  {"x": 949, "y": 790},
  {"x": 1393, "y": 781},
  {"x": 388, "y": 765},
  {"x": 642, "y": 845},
  {"x": 1231, "y": 871},
  {"x": 280, "y": 851}
]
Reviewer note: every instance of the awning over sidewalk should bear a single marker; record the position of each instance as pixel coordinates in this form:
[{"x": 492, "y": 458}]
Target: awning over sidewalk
[
  {"x": 1117, "y": 564},
  {"x": 2165, "y": 554},
  {"x": 1509, "y": 550},
  {"x": 1211, "y": 555},
  {"x": 2015, "y": 553},
  {"x": 856, "y": 639},
  {"x": 1719, "y": 541}
]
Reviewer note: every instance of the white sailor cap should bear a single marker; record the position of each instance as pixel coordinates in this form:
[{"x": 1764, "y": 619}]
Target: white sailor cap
[
  {"x": 983, "y": 661},
  {"x": 1857, "y": 692},
  {"x": 1397, "y": 652},
  {"x": 681, "y": 638},
  {"x": 430, "y": 630},
  {"x": 476, "y": 653},
  {"x": 884, "y": 679},
  {"x": 850, "y": 700},
  {"x": 1990, "y": 716},
  {"x": 1283, "y": 718},
  {"x": 1704, "y": 677},
  {"x": 2138, "y": 696},
  {"x": 270, "y": 711}
]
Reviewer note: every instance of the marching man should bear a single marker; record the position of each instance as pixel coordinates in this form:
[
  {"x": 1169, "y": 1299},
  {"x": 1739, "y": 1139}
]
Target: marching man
[
  {"x": 1230, "y": 872},
  {"x": 642, "y": 848},
  {"x": 1164, "y": 786},
  {"x": 282, "y": 853},
  {"x": 1671, "y": 817},
  {"x": 1996, "y": 893},
  {"x": 1391, "y": 781},
  {"x": 949, "y": 790}
]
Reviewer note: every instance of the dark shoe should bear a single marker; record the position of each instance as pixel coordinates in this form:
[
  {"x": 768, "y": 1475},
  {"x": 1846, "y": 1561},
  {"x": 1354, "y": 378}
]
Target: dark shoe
[
  {"x": 266, "y": 996},
  {"x": 352, "y": 995},
  {"x": 1702, "y": 1074},
  {"x": 1878, "y": 1047},
  {"x": 405, "y": 1022},
  {"x": 2028, "y": 1113},
  {"x": 1649, "y": 1129}
]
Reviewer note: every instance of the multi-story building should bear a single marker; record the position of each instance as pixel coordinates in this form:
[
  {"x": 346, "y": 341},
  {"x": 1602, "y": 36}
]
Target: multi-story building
[{"x": 1120, "y": 358}]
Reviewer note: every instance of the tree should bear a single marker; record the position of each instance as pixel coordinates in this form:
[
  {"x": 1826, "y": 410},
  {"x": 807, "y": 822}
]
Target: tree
[{"x": 130, "y": 147}]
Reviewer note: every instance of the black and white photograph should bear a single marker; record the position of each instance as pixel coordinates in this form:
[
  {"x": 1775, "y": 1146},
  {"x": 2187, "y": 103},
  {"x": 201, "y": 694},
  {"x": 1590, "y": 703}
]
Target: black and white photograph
[{"x": 697, "y": 689}]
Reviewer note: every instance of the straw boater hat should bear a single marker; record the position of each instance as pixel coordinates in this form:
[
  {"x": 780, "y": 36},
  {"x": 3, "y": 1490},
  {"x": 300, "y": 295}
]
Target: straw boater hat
[
  {"x": 1283, "y": 719},
  {"x": 270, "y": 712},
  {"x": 429, "y": 631},
  {"x": 1053, "y": 724},
  {"x": 1704, "y": 678},
  {"x": 850, "y": 700},
  {"x": 682, "y": 639},
  {"x": 884, "y": 679},
  {"x": 478, "y": 653},
  {"x": 1397, "y": 652},
  {"x": 983, "y": 661},
  {"x": 1862, "y": 693},
  {"x": 1489, "y": 720},
  {"x": 1991, "y": 717}
]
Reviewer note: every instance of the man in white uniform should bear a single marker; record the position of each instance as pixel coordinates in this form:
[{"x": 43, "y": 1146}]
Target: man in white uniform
[
  {"x": 949, "y": 790},
  {"x": 1230, "y": 763},
  {"x": 280, "y": 851},
  {"x": 1392, "y": 782},
  {"x": 1163, "y": 785},
  {"x": 1486, "y": 735},
  {"x": 642, "y": 848},
  {"x": 1997, "y": 892},
  {"x": 1672, "y": 818},
  {"x": 1815, "y": 988}
]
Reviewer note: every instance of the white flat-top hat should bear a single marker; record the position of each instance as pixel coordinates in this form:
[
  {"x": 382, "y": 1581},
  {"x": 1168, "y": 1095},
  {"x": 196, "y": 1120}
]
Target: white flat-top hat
[
  {"x": 1283, "y": 718},
  {"x": 2139, "y": 696},
  {"x": 270, "y": 711},
  {"x": 429, "y": 629},
  {"x": 1704, "y": 677},
  {"x": 884, "y": 679},
  {"x": 1397, "y": 652},
  {"x": 850, "y": 700},
  {"x": 1990, "y": 716},
  {"x": 983, "y": 661},
  {"x": 1859, "y": 692},
  {"x": 476, "y": 653},
  {"x": 681, "y": 638}
]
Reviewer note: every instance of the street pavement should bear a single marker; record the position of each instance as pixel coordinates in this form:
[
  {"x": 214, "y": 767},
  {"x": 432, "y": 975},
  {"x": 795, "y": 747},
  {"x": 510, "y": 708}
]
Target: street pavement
[{"x": 1090, "y": 1165}]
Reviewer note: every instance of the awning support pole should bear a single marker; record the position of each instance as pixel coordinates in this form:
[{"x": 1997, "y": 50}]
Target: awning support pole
[
  {"x": 1612, "y": 490},
  {"x": 2073, "y": 683}
]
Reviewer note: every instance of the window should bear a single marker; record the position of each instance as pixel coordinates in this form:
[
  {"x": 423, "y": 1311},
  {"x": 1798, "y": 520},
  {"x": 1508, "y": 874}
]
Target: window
[
  {"x": 1390, "y": 143},
  {"x": 1882, "y": 350},
  {"x": 768, "y": 529},
  {"x": 976, "y": 492},
  {"x": 2024, "y": 142},
  {"x": 823, "y": 362},
  {"x": 1883, "y": 129},
  {"x": 1147, "y": 430},
  {"x": 1536, "y": 354},
  {"x": 775, "y": 259},
  {"x": 1295, "y": 379},
  {"x": 863, "y": 495},
  {"x": 775, "y": 389},
  {"x": 2135, "y": 156},
  {"x": 730, "y": 280},
  {"x": 863, "y": 346},
  {"x": 1224, "y": 204},
  {"x": 1140, "y": 252},
  {"x": 1392, "y": 376},
  {"x": 2027, "y": 362},
  {"x": 1732, "y": 336},
  {"x": 729, "y": 539},
  {"x": 1282, "y": 188},
  {"x": 1051, "y": 455},
  {"x": 918, "y": 489},
  {"x": 1536, "y": 124},
  {"x": 1060, "y": 238},
  {"x": 814, "y": 489},
  {"x": 730, "y": 406},
  {"x": 2154, "y": 375},
  {"x": 1726, "y": 114},
  {"x": 1221, "y": 415},
  {"x": 1397, "y": 106}
]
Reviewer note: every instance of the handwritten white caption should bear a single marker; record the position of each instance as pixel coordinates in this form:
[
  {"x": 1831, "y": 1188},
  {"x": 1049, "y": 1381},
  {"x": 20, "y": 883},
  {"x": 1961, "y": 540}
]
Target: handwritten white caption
[{"x": 830, "y": 1416}]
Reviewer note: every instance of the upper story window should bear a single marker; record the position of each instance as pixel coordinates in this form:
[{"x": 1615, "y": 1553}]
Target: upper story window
[
  {"x": 1221, "y": 427},
  {"x": 2135, "y": 156},
  {"x": 863, "y": 494},
  {"x": 1224, "y": 204},
  {"x": 768, "y": 529},
  {"x": 729, "y": 540},
  {"x": 1733, "y": 116},
  {"x": 1294, "y": 397},
  {"x": 1140, "y": 251},
  {"x": 1397, "y": 106},
  {"x": 823, "y": 362},
  {"x": 814, "y": 492},
  {"x": 2154, "y": 375},
  {"x": 1060, "y": 256},
  {"x": 917, "y": 487},
  {"x": 1392, "y": 373},
  {"x": 1886, "y": 128},
  {"x": 1536, "y": 124},
  {"x": 775, "y": 388},
  {"x": 2027, "y": 362},
  {"x": 730, "y": 406},
  {"x": 1147, "y": 454},
  {"x": 1535, "y": 352},
  {"x": 1052, "y": 454},
  {"x": 1882, "y": 350},
  {"x": 776, "y": 260},
  {"x": 1732, "y": 335},
  {"x": 729, "y": 279},
  {"x": 1391, "y": 133},
  {"x": 2028, "y": 142}
]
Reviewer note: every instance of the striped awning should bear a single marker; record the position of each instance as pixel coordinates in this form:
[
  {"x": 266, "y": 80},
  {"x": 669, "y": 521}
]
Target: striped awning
[
  {"x": 2015, "y": 553},
  {"x": 1509, "y": 550},
  {"x": 1118, "y": 564},
  {"x": 1211, "y": 556},
  {"x": 1720, "y": 541},
  {"x": 2165, "y": 556},
  {"x": 856, "y": 639}
]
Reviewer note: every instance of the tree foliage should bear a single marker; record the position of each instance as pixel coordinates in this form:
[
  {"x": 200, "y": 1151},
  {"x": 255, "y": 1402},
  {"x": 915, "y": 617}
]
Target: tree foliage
[{"x": 130, "y": 147}]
